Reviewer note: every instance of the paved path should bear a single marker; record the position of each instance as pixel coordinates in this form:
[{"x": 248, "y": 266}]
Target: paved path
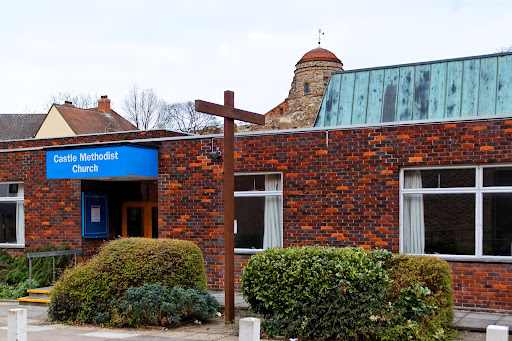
[
  {"x": 470, "y": 336},
  {"x": 479, "y": 321}
]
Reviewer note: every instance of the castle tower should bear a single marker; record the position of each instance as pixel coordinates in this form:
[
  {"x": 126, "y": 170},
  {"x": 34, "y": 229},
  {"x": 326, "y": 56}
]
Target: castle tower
[
  {"x": 312, "y": 74},
  {"x": 299, "y": 109}
]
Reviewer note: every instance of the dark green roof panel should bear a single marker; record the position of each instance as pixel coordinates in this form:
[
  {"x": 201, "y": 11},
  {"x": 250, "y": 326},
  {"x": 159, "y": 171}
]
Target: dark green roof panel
[{"x": 466, "y": 87}]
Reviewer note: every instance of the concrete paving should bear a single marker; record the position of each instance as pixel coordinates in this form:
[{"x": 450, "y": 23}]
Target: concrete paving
[
  {"x": 478, "y": 321},
  {"x": 472, "y": 326}
]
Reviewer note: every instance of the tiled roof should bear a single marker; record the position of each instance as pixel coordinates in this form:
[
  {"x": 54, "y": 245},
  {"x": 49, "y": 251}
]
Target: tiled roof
[
  {"x": 463, "y": 87},
  {"x": 20, "y": 126},
  {"x": 319, "y": 54},
  {"x": 92, "y": 121}
]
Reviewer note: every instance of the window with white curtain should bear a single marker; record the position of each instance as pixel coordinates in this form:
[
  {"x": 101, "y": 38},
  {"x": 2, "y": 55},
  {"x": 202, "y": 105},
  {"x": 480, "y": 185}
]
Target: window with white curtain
[
  {"x": 12, "y": 221},
  {"x": 258, "y": 211},
  {"x": 458, "y": 212}
]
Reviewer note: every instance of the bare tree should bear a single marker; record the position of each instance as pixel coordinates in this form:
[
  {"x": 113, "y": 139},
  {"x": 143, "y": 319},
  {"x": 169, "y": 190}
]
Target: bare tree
[
  {"x": 142, "y": 107},
  {"x": 182, "y": 116},
  {"x": 80, "y": 100},
  {"x": 504, "y": 49}
]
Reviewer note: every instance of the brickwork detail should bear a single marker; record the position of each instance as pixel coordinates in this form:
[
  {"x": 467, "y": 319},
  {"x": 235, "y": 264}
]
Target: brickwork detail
[{"x": 482, "y": 286}]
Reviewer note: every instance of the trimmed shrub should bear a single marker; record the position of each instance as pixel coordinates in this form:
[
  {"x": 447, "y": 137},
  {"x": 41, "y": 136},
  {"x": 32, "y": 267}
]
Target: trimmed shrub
[
  {"x": 430, "y": 272},
  {"x": 85, "y": 293},
  {"x": 346, "y": 293},
  {"x": 154, "y": 304}
]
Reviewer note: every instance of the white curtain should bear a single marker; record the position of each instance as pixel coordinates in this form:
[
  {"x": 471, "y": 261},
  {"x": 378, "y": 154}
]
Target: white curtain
[
  {"x": 272, "y": 235},
  {"x": 20, "y": 218},
  {"x": 414, "y": 224}
]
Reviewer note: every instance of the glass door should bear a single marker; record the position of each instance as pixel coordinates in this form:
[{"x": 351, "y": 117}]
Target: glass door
[{"x": 140, "y": 219}]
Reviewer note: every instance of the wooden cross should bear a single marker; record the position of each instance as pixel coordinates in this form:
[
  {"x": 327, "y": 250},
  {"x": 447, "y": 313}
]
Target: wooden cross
[{"x": 230, "y": 114}]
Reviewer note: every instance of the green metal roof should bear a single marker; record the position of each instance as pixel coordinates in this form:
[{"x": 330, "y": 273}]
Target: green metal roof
[{"x": 464, "y": 87}]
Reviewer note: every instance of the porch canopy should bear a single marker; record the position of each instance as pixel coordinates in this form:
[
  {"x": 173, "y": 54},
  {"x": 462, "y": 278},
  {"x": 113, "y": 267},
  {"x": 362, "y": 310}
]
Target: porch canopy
[{"x": 120, "y": 162}]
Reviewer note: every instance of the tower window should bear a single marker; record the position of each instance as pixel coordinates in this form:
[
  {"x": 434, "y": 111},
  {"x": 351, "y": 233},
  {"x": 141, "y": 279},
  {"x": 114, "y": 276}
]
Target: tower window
[{"x": 306, "y": 89}]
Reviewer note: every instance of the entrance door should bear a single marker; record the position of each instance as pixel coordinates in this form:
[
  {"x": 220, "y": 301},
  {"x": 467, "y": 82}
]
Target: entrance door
[{"x": 140, "y": 219}]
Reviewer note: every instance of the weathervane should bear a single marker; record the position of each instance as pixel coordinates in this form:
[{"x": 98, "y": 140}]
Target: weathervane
[{"x": 320, "y": 34}]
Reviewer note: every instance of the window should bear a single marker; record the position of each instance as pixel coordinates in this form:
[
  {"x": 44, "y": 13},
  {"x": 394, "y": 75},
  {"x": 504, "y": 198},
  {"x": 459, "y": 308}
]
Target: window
[
  {"x": 12, "y": 222},
  {"x": 306, "y": 89},
  {"x": 457, "y": 212},
  {"x": 258, "y": 211}
]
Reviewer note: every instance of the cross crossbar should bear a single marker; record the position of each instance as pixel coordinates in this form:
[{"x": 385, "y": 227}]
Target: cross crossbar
[{"x": 229, "y": 112}]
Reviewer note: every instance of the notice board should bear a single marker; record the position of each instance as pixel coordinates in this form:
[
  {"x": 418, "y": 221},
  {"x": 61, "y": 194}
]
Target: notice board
[{"x": 94, "y": 215}]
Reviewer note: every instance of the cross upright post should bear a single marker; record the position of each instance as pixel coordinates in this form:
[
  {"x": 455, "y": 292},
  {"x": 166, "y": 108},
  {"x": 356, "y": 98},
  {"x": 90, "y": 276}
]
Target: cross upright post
[
  {"x": 230, "y": 114},
  {"x": 229, "y": 211}
]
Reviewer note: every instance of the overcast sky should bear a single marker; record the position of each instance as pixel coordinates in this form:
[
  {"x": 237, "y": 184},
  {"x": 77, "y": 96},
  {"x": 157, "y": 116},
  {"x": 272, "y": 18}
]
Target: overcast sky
[{"x": 188, "y": 50}]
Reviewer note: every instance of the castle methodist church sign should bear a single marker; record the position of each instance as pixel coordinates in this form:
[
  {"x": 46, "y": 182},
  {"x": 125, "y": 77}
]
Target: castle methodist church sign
[{"x": 102, "y": 162}]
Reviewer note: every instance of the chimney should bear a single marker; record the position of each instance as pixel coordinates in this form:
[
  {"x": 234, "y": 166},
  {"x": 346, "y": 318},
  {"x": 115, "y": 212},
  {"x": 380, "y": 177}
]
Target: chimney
[
  {"x": 104, "y": 104},
  {"x": 68, "y": 103}
]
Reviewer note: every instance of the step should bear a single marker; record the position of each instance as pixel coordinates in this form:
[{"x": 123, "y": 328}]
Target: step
[
  {"x": 38, "y": 293},
  {"x": 39, "y": 296},
  {"x": 33, "y": 301}
]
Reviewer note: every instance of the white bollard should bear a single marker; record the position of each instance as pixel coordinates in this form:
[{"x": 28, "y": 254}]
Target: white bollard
[
  {"x": 249, "y": 329},
  {"x": 17, "y": 325},
  {"x": 496, "y": 333}
]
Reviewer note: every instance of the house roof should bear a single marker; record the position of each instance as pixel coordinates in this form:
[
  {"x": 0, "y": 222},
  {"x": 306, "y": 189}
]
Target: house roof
[
  {"x": 92, "y": 121},
  {"x": 463, "y": 87},
  {"x": 20, "y": 126}
]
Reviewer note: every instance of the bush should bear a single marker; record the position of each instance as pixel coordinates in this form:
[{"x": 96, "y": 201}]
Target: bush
[
  {"x": 84, "y": 294},
  {"x": 430, "y": 272},
  {"x": 154, "y": 304},
  {"x": 42, "y": 268},
  {"x": 6, "y": 262},
  {"x": 14, "y": 291},
  {"x": 346, "y": 293}
]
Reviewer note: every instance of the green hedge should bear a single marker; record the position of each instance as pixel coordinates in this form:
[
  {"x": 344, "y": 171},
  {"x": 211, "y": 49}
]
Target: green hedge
[
  {"x": 349, "y": 293},
  {"x": 84, "y": 294},
  {"x": 15, "y": 270}
]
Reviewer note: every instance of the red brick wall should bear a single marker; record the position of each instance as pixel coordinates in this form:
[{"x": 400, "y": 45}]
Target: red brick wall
[
  {"x": 340, "y": 188},
  {"x": 482, "y": 285},
  {"x": 281, "y": 109},
  {"x": 190, "y": 200},
  {"x": 52, "y": 207}
]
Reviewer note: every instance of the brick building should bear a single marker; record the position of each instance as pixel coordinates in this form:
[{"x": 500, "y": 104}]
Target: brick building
[{"x": 400, "y": 169}]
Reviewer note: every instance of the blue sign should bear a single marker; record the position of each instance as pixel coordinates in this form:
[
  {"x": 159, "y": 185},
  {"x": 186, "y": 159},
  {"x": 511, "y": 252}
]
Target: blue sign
[
  {"x": 118, "y": 161},
  {"x": 94, "y": 215}
]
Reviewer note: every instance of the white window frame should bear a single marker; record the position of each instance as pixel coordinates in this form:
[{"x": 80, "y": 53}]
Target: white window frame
[
  {"x": 241, "y": 194},
  {"x": 478, "y": 190},
  {"x": 20, "y": 228}
]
